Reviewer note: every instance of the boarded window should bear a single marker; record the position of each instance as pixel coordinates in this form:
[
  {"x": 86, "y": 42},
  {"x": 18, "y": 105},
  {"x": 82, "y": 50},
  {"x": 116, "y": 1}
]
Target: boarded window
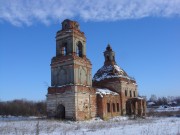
[
  {"x": 108, "y": 107},
  {"x": 114, "y": 109},
  {"x": 117, "y": 107}
]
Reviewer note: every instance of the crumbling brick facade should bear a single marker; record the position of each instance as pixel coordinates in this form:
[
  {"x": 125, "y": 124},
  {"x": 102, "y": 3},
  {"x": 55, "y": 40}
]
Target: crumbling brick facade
[{"x": 71, "y": 94}]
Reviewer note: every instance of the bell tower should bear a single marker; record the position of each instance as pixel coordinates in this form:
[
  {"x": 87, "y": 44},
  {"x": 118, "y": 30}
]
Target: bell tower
[
  {"x": 70, "y": 40},
  {"x": 70, "y": 93},
  {"x": 70, "y": 54}
]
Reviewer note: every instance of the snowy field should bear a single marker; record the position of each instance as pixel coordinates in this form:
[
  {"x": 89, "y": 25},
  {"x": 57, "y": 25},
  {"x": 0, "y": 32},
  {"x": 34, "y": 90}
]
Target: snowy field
[{"x": 115, "y": 126}]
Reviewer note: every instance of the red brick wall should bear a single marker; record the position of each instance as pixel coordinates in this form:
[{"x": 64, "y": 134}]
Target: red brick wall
[{"x": 102, "y": 111}]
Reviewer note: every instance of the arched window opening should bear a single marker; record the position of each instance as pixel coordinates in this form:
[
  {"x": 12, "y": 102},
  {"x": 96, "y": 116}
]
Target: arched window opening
[
  {"x": 108, "y": 107},
  {"x": 64, "y": 50},
  {"x": 114, "y": 109},
  {"x": 126, "y": 93},
  {"x": 79, "y": 49},
  {"x": 130, "y": 93},
  {"x": 134, "y": 94},
  {"x": 117, "y": 107}
]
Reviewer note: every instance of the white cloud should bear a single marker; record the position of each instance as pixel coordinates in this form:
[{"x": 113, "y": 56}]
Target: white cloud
[{"x": 27, "y": 12}]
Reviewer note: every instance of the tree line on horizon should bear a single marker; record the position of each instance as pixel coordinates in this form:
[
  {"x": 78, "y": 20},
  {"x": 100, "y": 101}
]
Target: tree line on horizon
[
  {"x": 21, "y": 107},
  {"x": 170, "y": 100}
]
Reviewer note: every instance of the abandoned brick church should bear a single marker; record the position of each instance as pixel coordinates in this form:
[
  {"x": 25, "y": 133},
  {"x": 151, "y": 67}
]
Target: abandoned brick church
[{"x": 75, "y": 95}]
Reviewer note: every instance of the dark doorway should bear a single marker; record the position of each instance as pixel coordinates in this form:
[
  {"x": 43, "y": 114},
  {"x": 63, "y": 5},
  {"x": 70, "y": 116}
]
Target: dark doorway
[
  {"x": 60, "y": 112},
  {"x": 128, "y": 108}
]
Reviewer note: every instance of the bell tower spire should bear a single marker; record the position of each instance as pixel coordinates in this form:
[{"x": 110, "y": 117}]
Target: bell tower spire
[{"x": 109, "y": 56}]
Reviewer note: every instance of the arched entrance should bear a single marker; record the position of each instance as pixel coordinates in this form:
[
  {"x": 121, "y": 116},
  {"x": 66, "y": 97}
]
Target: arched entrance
[{"x": 60, "y": 112}]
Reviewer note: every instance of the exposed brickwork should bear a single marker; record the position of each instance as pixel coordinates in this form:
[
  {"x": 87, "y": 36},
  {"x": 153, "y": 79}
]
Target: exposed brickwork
[
  {"x": 85, "y": 103},
  {"x": 117, "y": 85}
]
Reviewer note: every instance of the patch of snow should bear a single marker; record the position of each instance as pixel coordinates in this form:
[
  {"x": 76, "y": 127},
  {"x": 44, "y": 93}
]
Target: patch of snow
[
  {"x": 140, "y": 98},
  {"x": 105, "y": 92},
  {"x": 119, "y": 118},
  {"x": 105, "y": 76},
  {"x": 166, "y": 108},
  {"x": 150, "y": 103},
  {"x": 17, "y": 118},
  {"x": 134, "y": 83},
  {"x": 111, "y": 71},
  {"x": 118, "y": 68},
  {"x": 171, "y": 103}
]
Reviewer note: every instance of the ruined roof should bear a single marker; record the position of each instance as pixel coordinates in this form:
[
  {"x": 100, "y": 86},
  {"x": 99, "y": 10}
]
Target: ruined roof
[{"x": 110, "y": 71}]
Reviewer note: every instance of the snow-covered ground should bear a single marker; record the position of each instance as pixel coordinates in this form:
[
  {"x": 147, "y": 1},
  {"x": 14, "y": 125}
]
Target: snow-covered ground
[
  {"x": 164, "y": 108},
  {"x": 168, "y": 108},
  {"x": 115, "y": 126}
]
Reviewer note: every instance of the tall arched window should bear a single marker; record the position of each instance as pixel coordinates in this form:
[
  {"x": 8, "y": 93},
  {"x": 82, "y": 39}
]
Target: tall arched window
[
  {"x": 117, "y": 107},
  {"x": 130, "y": 93},
  {"x": 64, "y": 49},
  {"x": 114, "y": 108},
  {"x": 108, "y": 107},
  {"x": 79, "y": 49},
  {"x": 134, "y": 94}
]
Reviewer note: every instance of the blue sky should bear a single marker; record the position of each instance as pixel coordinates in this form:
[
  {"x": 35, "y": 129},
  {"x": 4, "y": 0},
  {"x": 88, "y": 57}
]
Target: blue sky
[{"x": 145, "y": 36}]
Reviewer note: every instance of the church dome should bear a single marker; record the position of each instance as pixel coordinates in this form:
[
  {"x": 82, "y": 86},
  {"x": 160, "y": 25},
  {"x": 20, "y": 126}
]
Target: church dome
[
  {"x": 110, "y": 71},
  {"x": 110, "y": 68}
]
